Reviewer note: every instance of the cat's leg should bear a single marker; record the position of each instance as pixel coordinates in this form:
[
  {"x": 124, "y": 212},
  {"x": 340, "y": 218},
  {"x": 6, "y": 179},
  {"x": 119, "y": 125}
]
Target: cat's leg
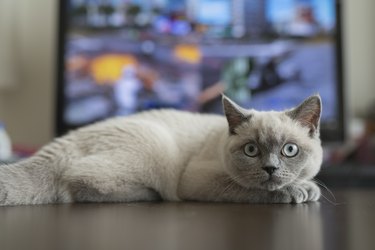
[
  {"x": 28, "y": 182},
  {"x": 206, "y": 182},
  {"x": 98, "y": 178},
  {"x": 313, "y": 191}
]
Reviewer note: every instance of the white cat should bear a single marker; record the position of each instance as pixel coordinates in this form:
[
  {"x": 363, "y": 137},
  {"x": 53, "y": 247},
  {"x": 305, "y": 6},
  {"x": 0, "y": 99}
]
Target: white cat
[{"x": 247, "y": 156}]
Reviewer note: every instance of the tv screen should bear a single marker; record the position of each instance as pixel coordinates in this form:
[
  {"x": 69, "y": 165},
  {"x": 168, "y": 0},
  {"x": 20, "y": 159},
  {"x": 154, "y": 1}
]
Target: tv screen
[{"x": 119, "y": 57}]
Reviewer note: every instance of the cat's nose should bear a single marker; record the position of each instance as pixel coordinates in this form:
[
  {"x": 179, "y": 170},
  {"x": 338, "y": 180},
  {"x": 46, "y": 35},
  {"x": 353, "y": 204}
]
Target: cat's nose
[{"x": 269, "y": 169}]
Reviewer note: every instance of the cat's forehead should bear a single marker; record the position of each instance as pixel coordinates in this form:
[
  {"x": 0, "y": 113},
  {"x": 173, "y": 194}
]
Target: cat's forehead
[{"x": 270, "y": 128}]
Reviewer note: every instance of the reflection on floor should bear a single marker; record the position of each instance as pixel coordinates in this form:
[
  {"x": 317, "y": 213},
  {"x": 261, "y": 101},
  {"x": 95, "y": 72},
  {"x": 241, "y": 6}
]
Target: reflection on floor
[{"x": 342, "y": 220}]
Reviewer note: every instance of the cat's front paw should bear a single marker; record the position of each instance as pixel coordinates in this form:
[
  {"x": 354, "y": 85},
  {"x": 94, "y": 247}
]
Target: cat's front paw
[
  {"x": 313, "y": 190},
  {"x": 289, "y": 194},
  {"x": 302, "y": 192},
  {"x": 297, "y": 193}
]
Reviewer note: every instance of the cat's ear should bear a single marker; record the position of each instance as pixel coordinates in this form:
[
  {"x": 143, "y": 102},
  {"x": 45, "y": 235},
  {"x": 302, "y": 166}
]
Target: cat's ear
[
  {"x": 308, "y": 113},
  {"x": 234, "y": 113}
]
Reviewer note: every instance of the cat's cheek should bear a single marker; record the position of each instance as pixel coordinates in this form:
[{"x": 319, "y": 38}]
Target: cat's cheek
[
  {"x": 310, "y": 170},
  {"x": 308, "y": 163},
  {"x": 242, "y": 163},
  {"x": 296, "y": 164}
]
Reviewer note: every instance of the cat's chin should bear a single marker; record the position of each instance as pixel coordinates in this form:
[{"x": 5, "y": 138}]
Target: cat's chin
[
  {"x": 271, "y": 184},
  {"x": 265, "y": 182},
  {"x": 272, "y": 187}
]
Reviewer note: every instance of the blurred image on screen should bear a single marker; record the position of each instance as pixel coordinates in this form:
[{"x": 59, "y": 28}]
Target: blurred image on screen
[{"x": 125, "y": 56}]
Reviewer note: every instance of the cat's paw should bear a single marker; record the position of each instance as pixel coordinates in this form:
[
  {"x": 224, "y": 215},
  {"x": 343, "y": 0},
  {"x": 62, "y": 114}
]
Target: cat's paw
[
  {"x": 302, "y": 192},
  {"x": 313, "y": 190},
  {"x": 289, "y": 194},
  {"x": 297, "y": 193}
]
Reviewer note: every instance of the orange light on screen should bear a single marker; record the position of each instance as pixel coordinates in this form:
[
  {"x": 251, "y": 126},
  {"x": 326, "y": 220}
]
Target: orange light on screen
[
  {"x": 188, "y": 53},
  {"x": 107, "y": 69}
]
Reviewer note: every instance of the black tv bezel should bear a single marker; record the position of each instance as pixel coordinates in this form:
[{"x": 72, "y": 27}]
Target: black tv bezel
[{"x": 61, "y": 127}]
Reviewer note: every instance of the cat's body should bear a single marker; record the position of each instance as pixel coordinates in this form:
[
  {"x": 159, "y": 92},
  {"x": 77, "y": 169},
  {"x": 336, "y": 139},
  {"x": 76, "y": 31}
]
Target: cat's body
[{"x": 174, "y": 156}]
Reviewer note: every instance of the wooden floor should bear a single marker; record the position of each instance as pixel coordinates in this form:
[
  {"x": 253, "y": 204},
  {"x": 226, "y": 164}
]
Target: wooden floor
[{"x": 347, "y": 224}]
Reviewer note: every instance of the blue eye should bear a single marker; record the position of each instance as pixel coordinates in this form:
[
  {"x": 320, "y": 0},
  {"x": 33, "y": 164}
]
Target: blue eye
[
  {"x": 251, "y": 149},
  {"x": 290, "y": 150}
]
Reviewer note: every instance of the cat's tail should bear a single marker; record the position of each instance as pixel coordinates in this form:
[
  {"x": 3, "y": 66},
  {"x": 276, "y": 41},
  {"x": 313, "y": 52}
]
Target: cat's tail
[{"x": 31, "y": 181}]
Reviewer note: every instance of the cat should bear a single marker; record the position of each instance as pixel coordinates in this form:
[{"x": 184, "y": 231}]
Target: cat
[{"x": 245, "y": 156}]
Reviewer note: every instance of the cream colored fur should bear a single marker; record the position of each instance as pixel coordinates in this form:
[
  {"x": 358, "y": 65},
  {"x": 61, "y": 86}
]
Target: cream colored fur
[{"x": 167, "y": 154}]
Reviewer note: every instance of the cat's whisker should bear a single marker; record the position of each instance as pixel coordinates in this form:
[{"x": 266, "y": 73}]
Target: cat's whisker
[
  {"x": 320, "y": 183},
  {"x": 331, "y": 202},
  {"x": 230, "y": 185}
]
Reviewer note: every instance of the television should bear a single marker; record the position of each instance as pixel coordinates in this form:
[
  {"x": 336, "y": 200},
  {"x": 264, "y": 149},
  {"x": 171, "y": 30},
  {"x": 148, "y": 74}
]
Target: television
[{"x": 119, "y": 57}]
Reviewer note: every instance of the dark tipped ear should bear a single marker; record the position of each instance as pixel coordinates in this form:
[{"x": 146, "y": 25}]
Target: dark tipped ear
[
  {"x": 308, "y": 113},
  {"x": 234, "y": 113}
]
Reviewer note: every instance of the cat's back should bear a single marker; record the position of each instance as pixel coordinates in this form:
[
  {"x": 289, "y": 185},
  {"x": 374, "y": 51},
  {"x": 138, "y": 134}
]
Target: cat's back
[
  {"x": 180, "y": 120},
  {"x": 181, "y": 126},
  {"x": 168, "y": 118}
]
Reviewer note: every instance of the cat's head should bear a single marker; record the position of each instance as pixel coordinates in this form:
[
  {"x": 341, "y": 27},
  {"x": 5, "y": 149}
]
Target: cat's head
[{"x": 268, "y": 150}]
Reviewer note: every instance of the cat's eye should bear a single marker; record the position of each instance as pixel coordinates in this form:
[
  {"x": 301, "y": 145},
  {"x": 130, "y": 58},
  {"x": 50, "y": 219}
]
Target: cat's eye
[
  {"x": 290, "y": 150},
  {"x": 251, "y": 149}
]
